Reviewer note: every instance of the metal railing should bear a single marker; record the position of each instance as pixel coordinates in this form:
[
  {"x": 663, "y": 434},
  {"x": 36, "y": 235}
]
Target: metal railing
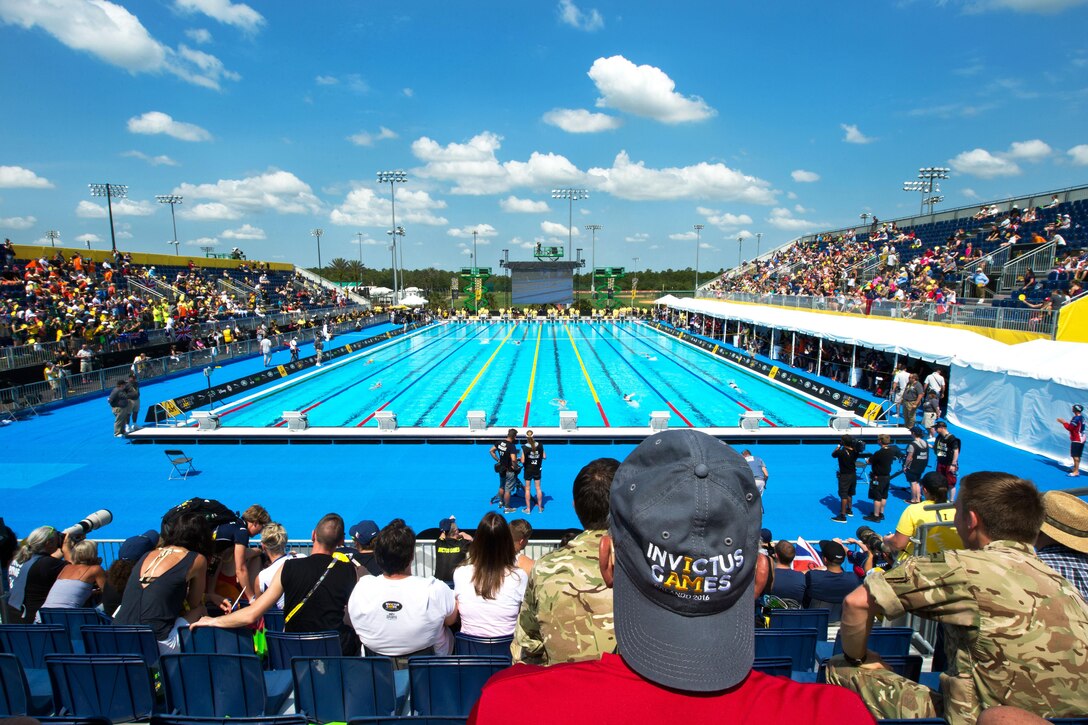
[
  {"x": 1041, "y": 258},
  {"x": 990, "y": 264},
  {"x": 331, "y": 286},
  {"x": 27, "y": 398},
  {"x": 1044, "y": 322},
  {"x": 135, "y": 285}
]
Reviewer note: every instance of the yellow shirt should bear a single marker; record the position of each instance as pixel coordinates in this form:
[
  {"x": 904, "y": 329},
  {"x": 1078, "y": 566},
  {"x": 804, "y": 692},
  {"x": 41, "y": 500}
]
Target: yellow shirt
[{"x": 939, "y": 538}]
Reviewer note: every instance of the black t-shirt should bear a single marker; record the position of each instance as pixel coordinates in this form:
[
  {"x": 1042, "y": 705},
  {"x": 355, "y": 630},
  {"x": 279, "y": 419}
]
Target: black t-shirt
[
  {"x": 848, "y": 457},
  {"x": 360, "y": 559},
  {"x": 324, "y": 610},
  {"x": 507, "y": 451},
  {"x": 39, "y": 580},
  {"x": 448, "y": 553},
  {"x": 945, "y": 446},
  {"x": 534, "y": 458},
  {"x": 234, "y": 531},
  {"x": 920, "y": 460},
  {"x": 881, "y": 461}
]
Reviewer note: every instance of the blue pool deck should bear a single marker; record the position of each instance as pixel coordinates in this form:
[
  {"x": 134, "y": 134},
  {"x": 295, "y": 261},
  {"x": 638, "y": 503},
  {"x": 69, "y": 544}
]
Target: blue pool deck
[{"x": 58, "y": 467}]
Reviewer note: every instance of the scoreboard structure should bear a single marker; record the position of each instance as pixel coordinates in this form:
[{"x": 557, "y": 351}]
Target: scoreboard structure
[{"x": 543, "y": 282}]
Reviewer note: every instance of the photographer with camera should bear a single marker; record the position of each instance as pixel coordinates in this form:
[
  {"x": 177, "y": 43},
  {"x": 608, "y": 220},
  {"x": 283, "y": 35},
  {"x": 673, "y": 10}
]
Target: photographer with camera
[{"x": 846, "y": 453}]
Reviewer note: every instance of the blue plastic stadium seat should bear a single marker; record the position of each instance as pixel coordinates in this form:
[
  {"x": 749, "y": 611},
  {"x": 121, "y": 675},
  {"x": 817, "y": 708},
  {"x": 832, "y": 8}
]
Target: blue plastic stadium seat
[
  {"x": 15, "y": 700},
  {"x": 282, "y": 646},
  {"x": 219, "y": 685},
  {"x": 797, "y": 644},
  {"x": 450, "y": 685},
  {"x": 115, "y": 687},
  {"x": 337, "y": 689},
  {"x": 194, "y": 720},
  {"x": 411, "y": 719},
  {"x": 802, "y": 619},
  {"x": 217, "y": 640},
  {"x": 777, "y": 666},
  {"x": 30, "y": 643},
  {"x": 273, "y": 620},
  {"x": 72, "y": 620},
  {"x": 885, "y": 641},
  {"x": 121, "y": 639},
  {"x": 466, "y": 644}
]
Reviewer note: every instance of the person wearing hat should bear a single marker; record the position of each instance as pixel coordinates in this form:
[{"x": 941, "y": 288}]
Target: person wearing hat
[
  {"x": 1063, "y": 538},
  {"x": 362, "y": 553},
  {"x": 117, "y": 575},
  {"x": 1075, "y": 426},
  {"x": 682, "y": 559},
  {"x": 826, "y": 588},
  {"x": 450, "y": 549},
  {"x": 916, "y": 462},
  {"x": 1014, "y": 629},
  {"x": 946, "y": 448}
]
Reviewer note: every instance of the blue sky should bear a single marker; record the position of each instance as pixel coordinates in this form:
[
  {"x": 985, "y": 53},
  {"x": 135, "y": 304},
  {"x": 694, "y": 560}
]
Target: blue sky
[{"x": 271, "y": 119}]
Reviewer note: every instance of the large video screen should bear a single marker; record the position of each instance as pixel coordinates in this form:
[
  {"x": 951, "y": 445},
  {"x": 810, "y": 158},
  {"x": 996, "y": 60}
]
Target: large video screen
[{"x": 542, "y": 284}]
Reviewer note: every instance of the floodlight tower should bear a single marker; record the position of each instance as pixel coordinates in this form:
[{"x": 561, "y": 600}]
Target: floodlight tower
[
  {"x": 698, "y": 241},
  {"x": 172, "y": 200},
  {"x": 111, "y": 192},
  {"x": 360, "y": 280},
  {"x": 53, "y": 235},
  {"x": 393, "y": 178},
  {"x": 571, "y": 195},
  {"x": 931, "y": 175},
  {"x": 317, "y": 233},
  {"x": 594, "y": 228}
]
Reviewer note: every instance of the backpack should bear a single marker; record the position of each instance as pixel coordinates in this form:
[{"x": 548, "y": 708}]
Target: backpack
[{"x": 213, "y": 511}]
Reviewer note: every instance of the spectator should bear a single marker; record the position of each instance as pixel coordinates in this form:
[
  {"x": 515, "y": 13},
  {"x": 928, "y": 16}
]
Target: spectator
[
  {"x": 232, "y": 539},
  {"x": 398, "y": 614},
  {"x": 678, "y": 657},
  {"x": 167, "y": 592},
  {"x": 1063, "y": 538},
  {"x": 133, "y": 403},
  {"x": 450, "y": 549},
  {"x": 1014, "y": 629},
  {"x": 566, "y": 615},
  {"x": 132, "y": 550},
  {"x": 521, "y": 530},
  {"x": 912, "y": 398},
  {"x": 32, "y": 572},
  {"x": 489, "y": 585},
  {"x": 789, "y": 585},
  {"x": 9, "y": 544},
  {"x": 826, "y": 588},
  {"x": 946, "y": 448},
  {"x": 362, "y": 553},
  {"x": 1075, "y": 426},
  {"x": 120, "y": 404},
  {"x": 79, "y": 580},
  {"x": 938, "y": 538},
  {"x": 274, "y": 545},
  {"x": 315, "y": 590}
]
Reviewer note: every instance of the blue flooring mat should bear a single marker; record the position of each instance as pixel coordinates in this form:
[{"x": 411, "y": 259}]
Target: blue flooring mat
[{"x": 60, "y": 466}]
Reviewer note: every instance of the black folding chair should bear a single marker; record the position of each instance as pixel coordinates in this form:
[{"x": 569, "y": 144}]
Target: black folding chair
[{"x": 181, "y": 465}]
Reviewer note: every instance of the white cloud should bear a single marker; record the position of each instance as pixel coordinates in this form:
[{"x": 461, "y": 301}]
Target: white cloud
[
  {"x": 800, "y": 209},
  {"x": 579, "y": 120},
  {"x": 153, "y": 160},
  {"x": 570, "y": 14},
  {"x": 362, "y": 207},
  {"x": 523, "y": 206},
  {"x": 92, "y": 238},
  {"x": 246, "y": 231},
  {"x": 364, "y": 138},
  {"x": 723, "y": 219},
  {"x": 683, "y": 236},
  {"x": 853, "y": 135},
  {"x": 744, "y": 234},
  {"x": 783, "y": 218},
  {"x": 983, "y": 164},
  {"x": 18, "y": 222},
  {"x": 408, "y": 92},
  {"x": 155, "y": 122},
  {"x": 353, "y": 82},
  {"x": 1043, "y": 7},
  {"x": 200, "y": 36},
  {"x": 202, "y": 242},
  {"x": 635, "y": 182},
  {"x": 16, "y": 177},
  {"x": 804, "y": 177},
  {"x": 111, "y": 33},
  {"x": 644, "y": 90},
  {"x": 970, "y": 193},
  {"x": 483, "y": 232},
  {"x": 326, "y": 80},
  {"x": 558, "y": 230},
  {"x": 475, "y": 169},
  {"x": 121, "y": 207},
  {"x": 637, "y": 238},
  {"x": 1079, "y": 154},
  {"x": 791, "y": 195},
  {"x": 210, "y": 212},
  {"x": 237, "y": 14},
  {"x": 1034, "y": 150},
  {"x": 274, "y": 190}
]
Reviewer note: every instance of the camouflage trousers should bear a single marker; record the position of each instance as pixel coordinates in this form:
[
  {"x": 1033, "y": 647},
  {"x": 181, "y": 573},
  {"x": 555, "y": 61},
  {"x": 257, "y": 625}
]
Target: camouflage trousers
[{"x": 887, "y": 695}]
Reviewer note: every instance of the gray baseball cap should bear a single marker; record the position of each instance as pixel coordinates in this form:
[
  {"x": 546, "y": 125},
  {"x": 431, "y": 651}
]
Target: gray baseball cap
[{"x": 685, "y": 524}]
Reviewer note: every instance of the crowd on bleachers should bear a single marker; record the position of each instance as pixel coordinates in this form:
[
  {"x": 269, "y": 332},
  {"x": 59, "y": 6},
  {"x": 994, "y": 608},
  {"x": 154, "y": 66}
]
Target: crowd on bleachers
[
  {"x": 931, "y": 262},
  {"x": 199, "y": 575}
]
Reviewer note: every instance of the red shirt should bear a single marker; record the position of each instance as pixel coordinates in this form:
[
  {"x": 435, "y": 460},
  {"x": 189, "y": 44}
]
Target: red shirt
[{"x": 607, "y": 691}]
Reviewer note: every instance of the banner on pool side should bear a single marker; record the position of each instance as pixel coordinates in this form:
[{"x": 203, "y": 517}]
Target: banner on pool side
[
  {"x": 836, "y": 396},
  {"x": 199, "y": 398}
]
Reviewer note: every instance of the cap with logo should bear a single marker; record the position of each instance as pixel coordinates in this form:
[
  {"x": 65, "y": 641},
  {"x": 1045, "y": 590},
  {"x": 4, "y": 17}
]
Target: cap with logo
[
  {"x": 832, "y": 552},
  {"x": 136, "y": 546},
  {"x": 446, "y": 524},
  {"x": 364, "y": 531},
  {"x": 685, "y": 522}
]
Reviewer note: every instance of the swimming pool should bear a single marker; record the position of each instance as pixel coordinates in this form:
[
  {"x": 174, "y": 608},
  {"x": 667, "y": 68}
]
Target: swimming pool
[{"x": 522, "y": 374}]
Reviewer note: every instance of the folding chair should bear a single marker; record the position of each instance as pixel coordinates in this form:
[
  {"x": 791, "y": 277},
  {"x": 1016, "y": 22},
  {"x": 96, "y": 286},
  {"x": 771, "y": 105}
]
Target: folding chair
[
  {"x": 449, "y": 685},
  {"x": 114, "y": 687},
  {"x": 282, "y": 646},
  {"x": 28, "y": 402},
  {"x": 337, "y": 689},
  {"x": 466, "y": 644},
  {"x": 181, "y": 465},
  {"x": 218, "y": 685},
  {"x": 136, "y": 640},
  {"x": 72, "y": 619}
]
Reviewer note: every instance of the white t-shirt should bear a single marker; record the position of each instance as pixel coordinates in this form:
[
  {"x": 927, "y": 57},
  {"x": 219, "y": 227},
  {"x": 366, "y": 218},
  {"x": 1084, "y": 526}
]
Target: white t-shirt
[
  {"x": 400, "y": 616},
  {"x": 488, "y": 617},
  {"x": 935, "y": 381},
  {"x": 264, "y": 577},
  {"x": 899, "y": 384}
]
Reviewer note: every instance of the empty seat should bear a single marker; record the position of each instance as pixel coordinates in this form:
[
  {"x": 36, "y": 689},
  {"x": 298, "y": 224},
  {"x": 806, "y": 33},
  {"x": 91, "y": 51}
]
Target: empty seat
[
  {"x": 30, "y": 643},
  {"x": 797, "y": 644},
  {"x": 282, "y": 646},
  {"x": 117, "y": 687},
  {"x": 777, "y": 666},
  {"x": 802, "y": 619},
  {"x": 181, "y": 465},
  {"x": 273, "y": 620},
  {"x": 14, "y": 691},
  {"x": 72, "y": 619},
  {"x": 337, "y": 689},
  {"x": 220, "y": 685},
  {"x": 200, "y": 720},
  {"x": 217, "y": 640},
  {"x": 121, "y": 639},
  {"x": 450, "y": 685}
]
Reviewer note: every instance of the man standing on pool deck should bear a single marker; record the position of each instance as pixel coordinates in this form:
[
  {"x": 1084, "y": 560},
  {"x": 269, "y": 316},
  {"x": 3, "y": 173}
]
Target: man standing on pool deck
[
  {"x": 505, "y": 454},
  {"x": 947, "y": 450},
  {"x": 319, "y": 348},
  {"x": 266, "y": 350},
  {"x": 532, "y": 458},
  {"x": 1075, "y": 426}
]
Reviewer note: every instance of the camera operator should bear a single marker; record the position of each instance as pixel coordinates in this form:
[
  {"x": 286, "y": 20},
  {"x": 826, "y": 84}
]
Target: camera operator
[
  {"x": 938, "y": 538},
  {"x": 33, "y": 571}
]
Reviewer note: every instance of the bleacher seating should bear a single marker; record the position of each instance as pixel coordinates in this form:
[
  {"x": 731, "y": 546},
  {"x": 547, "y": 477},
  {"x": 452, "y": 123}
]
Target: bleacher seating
[
  {"x": 117, "y": 687},
  {"x": 449, "y": 685},
  {"x": 220, "y": 685},
  {"x": 337, "y": 689}
]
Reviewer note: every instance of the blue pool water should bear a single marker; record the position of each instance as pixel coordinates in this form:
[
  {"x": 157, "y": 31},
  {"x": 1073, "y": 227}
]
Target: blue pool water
[{"x": 522, "y": 374}]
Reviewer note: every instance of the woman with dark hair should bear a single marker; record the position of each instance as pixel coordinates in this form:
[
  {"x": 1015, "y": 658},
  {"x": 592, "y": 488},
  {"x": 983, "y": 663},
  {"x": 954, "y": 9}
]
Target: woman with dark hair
[
  {"x": 398, "y": 614},
  {"x": 133, "y": 548},
  {"x": 489, "y": 585},
  {"x": 166, "y": 589}
]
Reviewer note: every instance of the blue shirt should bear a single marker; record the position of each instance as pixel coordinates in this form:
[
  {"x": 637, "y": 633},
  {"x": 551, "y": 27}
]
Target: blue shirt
[{"x": 789, "y": 584}]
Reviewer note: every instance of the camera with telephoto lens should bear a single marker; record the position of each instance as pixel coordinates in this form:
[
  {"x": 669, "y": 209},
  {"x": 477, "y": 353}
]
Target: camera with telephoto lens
[
  {"x": 875, "y": 543},
  {"x": 93, "y": 522}
]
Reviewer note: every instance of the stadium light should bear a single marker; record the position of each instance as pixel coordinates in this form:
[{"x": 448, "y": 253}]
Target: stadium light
[
  {"x": 111, "y": 192},
  {"x": 360, "y": 280},
  {"x": 740, "y": 246},
  {"x": 172, "y": 200},
  {"x": 594, "y": 228},
  {"x": 928, "y": 176},
  {"x": 393, "y": 178},
  {"x": 474, "y": 233},
  {"x": 698, "y": 240},
  {"x": 53, "y": 235},
  {"x": 759, "y": 238},
  {"x": 571, "y": 195},
  {"x": 317, "y": 233}
]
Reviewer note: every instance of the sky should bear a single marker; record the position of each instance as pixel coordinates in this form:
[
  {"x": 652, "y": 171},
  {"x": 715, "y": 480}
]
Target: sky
[{"x": 758, "y": 121}]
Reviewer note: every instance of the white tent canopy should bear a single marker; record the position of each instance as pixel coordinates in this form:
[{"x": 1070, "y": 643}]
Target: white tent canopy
[
  {"x": 666, "y": 300},
  {"x": 413, "y": 301}
]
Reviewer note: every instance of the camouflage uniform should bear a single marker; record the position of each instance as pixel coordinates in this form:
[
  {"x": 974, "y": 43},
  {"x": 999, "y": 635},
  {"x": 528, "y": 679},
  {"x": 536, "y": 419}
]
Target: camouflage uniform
[
  {"x": 1015, "y": 634},
  {"x": 566, "y": 615}
]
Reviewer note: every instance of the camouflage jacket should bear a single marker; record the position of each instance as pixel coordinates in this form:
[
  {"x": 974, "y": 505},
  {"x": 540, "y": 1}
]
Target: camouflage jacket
[
  {"x": 566, "y": 615},
  {"x": 1015, "y": 631}
]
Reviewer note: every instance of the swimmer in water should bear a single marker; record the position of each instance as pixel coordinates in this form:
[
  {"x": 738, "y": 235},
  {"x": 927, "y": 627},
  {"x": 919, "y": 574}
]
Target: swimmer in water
[
  {"x": 559, "y": 403},
  {"x": 734, "y": 386},
  {"x": 629, "y": 398},
  {"x": 376, "y": 385},
  {"x": 370, "y": 361}
]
